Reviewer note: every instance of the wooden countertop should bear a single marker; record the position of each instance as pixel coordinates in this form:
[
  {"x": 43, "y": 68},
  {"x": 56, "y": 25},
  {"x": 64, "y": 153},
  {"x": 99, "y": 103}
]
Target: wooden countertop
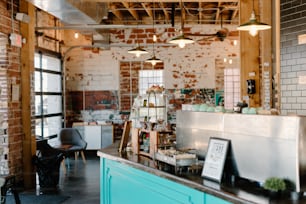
[{"x": 240, "y": 191}]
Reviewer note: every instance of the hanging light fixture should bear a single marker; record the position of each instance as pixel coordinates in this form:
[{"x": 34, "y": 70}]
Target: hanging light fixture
[
  {"x": 154, "y": 60},
  {"x": 137, "y": 50},
  {"x": 181, "y": 40},
  {"x": 253, "y": 26}
]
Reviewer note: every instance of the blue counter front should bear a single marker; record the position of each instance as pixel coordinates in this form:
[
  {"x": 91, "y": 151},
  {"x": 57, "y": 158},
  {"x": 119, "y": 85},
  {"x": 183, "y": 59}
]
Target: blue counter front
[
  {"x": 121, "y": 183},
  {"x": 133, "y": 179}
]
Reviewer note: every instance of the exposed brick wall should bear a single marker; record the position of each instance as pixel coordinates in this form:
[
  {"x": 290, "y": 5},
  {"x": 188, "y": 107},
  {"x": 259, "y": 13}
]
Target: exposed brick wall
[
  {"x": 11, "y": 121},
  {"x": 193, "y": 67},
  {"x": 293, "y": 57}
]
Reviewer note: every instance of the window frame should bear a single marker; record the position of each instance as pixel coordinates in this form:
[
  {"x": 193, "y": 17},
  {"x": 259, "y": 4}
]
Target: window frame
[{"x": 42, "y": 116}]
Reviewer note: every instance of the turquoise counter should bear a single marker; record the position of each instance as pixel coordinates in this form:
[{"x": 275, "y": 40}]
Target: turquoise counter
[{"x": 133, "y": 179}]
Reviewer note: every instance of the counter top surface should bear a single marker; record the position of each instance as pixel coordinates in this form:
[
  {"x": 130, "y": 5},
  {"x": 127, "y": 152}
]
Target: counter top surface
[{"x": 238, "y": 191}]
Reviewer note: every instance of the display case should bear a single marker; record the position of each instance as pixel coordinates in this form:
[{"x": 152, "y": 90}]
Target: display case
[{"x": 149, "y": 111}]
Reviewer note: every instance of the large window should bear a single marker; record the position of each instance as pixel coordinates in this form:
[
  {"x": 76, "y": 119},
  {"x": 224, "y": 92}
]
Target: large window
[
  {"x": 147, "y": 78},
  {"x": 48, "y": 95},
  {"x": 231, "y": 87}
]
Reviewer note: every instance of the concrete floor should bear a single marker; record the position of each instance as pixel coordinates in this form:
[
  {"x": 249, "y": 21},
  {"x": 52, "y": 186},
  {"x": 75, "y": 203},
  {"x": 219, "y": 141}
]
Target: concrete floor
[{"x": 81, "y": 181}]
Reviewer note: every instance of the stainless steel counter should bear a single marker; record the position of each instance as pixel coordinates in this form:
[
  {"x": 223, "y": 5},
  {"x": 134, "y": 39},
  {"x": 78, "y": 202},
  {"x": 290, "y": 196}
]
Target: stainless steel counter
[{"x": 262, "y": 146}]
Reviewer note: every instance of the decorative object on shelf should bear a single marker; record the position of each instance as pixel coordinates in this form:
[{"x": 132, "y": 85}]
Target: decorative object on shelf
[
  {"x": 155, "y": 89},
  {"x": 181, "y": 40},
  {"x": 253, "y": 26},
  {"x": 154, "y": 60}
]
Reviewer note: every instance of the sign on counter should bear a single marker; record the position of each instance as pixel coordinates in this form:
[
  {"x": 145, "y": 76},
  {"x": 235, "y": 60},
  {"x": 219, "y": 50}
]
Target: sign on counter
[{"x": 215, "y": 158}]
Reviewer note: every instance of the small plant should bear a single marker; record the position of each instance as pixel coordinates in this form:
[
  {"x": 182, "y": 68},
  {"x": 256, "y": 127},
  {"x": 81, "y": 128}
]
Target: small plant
[{"x": 275, "y": 184}]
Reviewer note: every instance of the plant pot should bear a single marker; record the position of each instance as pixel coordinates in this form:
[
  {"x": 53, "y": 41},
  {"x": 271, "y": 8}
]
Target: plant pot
[{"x": 275, "y": 194}]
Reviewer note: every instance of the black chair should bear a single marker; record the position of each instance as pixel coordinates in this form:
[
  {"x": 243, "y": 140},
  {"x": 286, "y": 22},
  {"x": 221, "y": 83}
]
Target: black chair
[{"x": 71, "y": 142}]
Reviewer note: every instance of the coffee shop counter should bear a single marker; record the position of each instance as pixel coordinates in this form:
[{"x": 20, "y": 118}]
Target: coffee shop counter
[{"x": 130, "y": 178}]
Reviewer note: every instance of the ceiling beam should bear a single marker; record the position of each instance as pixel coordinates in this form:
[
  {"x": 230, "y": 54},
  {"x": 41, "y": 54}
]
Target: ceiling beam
[
  {"x": 148, "y": 9},
  {"x": 116, "y": 12},
  {"x": 131, "y": 10},
  {"x": 166, "y": 14},
  {"x": 100, "y": 26}
]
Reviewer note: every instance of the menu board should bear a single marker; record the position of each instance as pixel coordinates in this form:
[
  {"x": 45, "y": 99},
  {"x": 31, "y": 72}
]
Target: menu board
[{"x": 215, "y": 158}]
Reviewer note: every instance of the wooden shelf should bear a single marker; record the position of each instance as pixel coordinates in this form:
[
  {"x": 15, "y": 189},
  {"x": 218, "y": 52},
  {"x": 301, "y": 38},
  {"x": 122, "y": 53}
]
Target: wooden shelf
[{"x": 154, "y": 137}]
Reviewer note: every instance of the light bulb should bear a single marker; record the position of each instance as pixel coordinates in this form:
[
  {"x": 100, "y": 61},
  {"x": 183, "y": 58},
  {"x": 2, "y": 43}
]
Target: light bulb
[
  {"x": 224, "y": 59},
  {"x": 230, "y": 61},
  {"x": 153, "y": 63},
  {"x": 154, "y": 38},
  {"x": 137, "y": 54},
  {"x": 235, "y": 42},
  {"x": 253, "y": 31},
  {"x": 76, "y": 35},
  {"x": 181, "y": 44}
]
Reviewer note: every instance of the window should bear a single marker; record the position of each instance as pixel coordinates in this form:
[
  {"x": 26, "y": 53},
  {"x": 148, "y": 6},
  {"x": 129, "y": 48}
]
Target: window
[
  {"x": 231, "y": 87},
  {"x": 48, "y": 95},
  {"x": 147, "y": 78}
]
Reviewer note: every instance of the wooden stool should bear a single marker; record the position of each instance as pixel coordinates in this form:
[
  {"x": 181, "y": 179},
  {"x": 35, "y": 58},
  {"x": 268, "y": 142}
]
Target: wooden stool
[{"x": 8, "y": 182}]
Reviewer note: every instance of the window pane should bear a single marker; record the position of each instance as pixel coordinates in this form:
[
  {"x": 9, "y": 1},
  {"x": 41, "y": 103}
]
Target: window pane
[
  {"x": 51, "y": 63},
  {"x": 36, "y": 60},
  {"x": 38, "y": 127},
  {"x": 53, "y": 125},
  {"x": 231, "y": 87},
  {"x": 37, "y": 81},
  {"x": 51, "y": 82},
  {"x": 38, "y": 105},
  {"x": 52, "y": 104},
  {"x": 147, "y": 78}
]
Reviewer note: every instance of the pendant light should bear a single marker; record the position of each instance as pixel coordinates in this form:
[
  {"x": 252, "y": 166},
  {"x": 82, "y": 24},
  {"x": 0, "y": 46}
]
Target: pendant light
[
  {"x": 253, "y": 26},
  {"x": 137, "y": 50},
  {"x": 154, "y": 60},
  {"x": 181, "y": 40}
]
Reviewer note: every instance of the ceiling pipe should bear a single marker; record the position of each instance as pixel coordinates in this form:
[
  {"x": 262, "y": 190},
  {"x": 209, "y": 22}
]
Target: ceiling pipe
[{"x": 99, "y": 26}]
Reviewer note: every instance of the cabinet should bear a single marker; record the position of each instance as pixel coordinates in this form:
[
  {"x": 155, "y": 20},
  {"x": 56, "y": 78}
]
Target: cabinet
[
  {"x": 149, "y": 108},
  {"x": 96, "y": 136},
  {"x": 121, "y": 183}
]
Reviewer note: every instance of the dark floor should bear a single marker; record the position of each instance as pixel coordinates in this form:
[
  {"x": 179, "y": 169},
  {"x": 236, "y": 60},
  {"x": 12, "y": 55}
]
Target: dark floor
[{"x": 81, "y": 181}]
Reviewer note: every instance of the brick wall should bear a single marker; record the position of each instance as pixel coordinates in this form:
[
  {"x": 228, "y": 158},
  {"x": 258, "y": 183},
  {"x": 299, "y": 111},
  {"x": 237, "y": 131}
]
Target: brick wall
[
  {"x": 10, "y": 111},
  {"x": 293, "y": 57},
  {"x": 193, "y": 67}
]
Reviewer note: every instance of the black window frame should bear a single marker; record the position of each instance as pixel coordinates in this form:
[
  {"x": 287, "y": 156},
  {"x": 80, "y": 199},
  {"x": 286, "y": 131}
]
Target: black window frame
[{"x": 40, "y": 93}]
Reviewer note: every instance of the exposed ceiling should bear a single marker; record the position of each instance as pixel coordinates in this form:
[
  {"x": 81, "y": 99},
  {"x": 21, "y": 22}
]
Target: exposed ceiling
[
  {"x": 101, "y": 15},
  {"x": 134, "y": 12}
]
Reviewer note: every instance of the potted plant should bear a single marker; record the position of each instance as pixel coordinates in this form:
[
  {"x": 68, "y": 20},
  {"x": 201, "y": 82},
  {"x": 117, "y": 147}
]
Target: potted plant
[{"x": 274, "y": 185}]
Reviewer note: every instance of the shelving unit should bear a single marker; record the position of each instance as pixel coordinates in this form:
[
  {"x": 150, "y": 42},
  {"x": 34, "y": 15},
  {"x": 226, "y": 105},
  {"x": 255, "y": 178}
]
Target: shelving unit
[
  {"x": 151, "y": 107},
  {"x": 147, "y": 142}
]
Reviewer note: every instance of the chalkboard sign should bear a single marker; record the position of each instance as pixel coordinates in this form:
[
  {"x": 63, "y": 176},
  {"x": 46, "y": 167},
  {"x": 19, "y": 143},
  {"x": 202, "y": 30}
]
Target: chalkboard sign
[{"x": 215, "y": 158}]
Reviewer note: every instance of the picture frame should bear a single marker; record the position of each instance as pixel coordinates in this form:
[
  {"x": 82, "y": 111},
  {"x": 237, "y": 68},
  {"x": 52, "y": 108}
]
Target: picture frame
[{"x": 215, "y": 158}]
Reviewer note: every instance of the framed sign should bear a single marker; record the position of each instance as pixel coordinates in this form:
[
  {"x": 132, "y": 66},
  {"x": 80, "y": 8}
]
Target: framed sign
[{"x": 215, "y": 158}]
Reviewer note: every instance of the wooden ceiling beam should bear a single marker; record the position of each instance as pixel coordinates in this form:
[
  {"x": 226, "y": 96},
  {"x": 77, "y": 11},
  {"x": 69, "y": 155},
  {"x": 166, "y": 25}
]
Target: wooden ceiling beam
[
  {"x": 132, "y": 12},
  {"x": 218, "y": 13},
  {"x": 116, "y": 12},
  {"x": 166, "y": 14},
  {"x": 148, "y": 9}
]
